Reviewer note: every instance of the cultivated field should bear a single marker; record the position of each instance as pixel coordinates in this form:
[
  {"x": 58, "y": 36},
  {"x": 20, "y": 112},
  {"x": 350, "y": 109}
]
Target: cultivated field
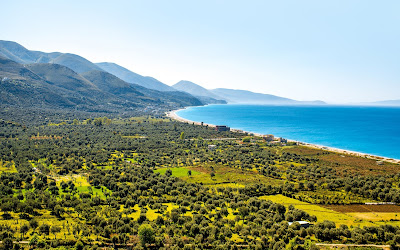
[
  {"x": 361, "y": 208},
  {"x": 339, "y": 217}
]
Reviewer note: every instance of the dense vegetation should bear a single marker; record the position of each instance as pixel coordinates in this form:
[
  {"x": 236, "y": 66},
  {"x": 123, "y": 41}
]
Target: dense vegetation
[
  {"x": 87, "y": 181},
  {"x": 53, "y": 86}
]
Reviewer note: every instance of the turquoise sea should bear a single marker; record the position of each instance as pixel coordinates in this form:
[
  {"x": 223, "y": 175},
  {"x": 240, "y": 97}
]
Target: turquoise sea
[{"x": 371, "y": 130}]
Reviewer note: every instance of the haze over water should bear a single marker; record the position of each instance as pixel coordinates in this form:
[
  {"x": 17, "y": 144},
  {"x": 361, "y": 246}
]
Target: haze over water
[{"x": 371, "y": 130}]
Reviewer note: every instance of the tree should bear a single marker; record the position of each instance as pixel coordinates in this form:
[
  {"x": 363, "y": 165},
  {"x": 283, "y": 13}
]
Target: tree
[
  {"x": 54, "y": 230},
  {"x": 182, "y": 136},
  {"x": 64, "y": 185},
  {"x": 146, "y": 234},
  {"x": 189, "y": 173},
  {"x": 96, "y": 182},
  {"x": 115, "y": 240},
  {"x": 160, "y": 220},
  {"x": 58, "y": 211},
  {"x": 246, "y": 139},
  {"x": 243, "y": 212},
  {"x": 396, "y": 239},
  {"x": 106, "y": 120},
  {"x": 292, "y": 244},
  {"x": 6, "y": 207},
  {"x": 168, "y": 172},
  {"x": 79, "y": 245},
  {"x": 34, "y": 241},
  {"x": 7, "y": 243},
  {"x": 33, "y": 224},
  {"x": 23, "y": 230},
  {"x": 44, "y": 229},
  {"x": 311, "y": 186},
  {"x": 308, "y": 244},
  {"x": 98, "y": 122}
]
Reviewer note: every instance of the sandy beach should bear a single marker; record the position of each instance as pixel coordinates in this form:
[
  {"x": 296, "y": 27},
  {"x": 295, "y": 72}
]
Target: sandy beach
[{"x": 173, "y": 115}]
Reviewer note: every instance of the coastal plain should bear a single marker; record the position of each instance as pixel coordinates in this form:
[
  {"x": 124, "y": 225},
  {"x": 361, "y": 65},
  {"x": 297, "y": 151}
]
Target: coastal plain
[
  {"x": 119, "y": 174},
  {"x": 370, "y": 132}
]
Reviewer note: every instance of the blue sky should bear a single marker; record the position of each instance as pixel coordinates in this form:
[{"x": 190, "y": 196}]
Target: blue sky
[{"x": 336, "y": 51}]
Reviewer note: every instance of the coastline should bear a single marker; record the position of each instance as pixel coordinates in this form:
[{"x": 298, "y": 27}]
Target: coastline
[{"x": 172, "y": 114}]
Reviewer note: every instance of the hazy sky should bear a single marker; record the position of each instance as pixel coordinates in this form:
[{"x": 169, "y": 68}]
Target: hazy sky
[{"x": 336, "y": 51}]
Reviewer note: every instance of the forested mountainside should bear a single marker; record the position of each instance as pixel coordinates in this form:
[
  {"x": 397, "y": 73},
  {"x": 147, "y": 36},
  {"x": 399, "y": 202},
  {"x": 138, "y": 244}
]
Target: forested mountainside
[{"x": 54, "y": 86}]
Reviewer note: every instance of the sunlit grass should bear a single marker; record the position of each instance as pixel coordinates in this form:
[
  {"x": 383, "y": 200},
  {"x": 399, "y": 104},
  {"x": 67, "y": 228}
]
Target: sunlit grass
[
  {"x": 7, "y": 167},
  {"x": 178, "y": 172},
  {"x": 376, "y": 216},
  {"x": 320, "y": 212}
]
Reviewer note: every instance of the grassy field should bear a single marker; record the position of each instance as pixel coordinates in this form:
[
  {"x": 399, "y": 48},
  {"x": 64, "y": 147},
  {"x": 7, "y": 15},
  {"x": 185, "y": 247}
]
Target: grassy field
[
  {"x": 362, "y": 208},
  {"x": 66, "y": 225},
  {"x": 143, "y": 119},
  {"x": 345, "y": 163},
  {"x": 320, "y": 212},
  {"x": 225, "y": 175},
  {"x": 134, "y": 136},
  {"x": 83, "y": 186},
  {"x": 7, "y": 167},
  {"x": 226, "y": 185},
  {"x": 79, "y": 180},
  {"x": 376, "y": 216},
  {"x": 320, "y": 196},
  {"x": 178, "y": 172},
  {"x": 71, "y": 218}
]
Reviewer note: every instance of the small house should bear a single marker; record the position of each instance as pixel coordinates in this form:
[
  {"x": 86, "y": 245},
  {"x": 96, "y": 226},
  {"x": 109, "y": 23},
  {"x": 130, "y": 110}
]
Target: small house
[
  {"x": 283, "y": 140},
  {"x": 268, "y": 137},
  {"x": 212, "y": 147},
  {"x": 221, "y": 128}
]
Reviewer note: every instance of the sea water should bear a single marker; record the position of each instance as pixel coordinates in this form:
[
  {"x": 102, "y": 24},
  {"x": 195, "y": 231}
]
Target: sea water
[{"x": 371, "y": 130}]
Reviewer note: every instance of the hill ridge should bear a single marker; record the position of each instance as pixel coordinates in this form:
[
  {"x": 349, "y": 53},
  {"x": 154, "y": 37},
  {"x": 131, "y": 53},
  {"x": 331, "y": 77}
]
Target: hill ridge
[{"x": 132, "y": 77}]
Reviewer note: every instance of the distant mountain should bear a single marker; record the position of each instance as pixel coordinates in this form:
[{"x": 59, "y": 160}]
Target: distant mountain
[
  {"x": 17, "y": 53},
  {"x": 74, "y": 62},
  {"x": 236, "y": 96},
  {"x": 62, "y": 76},
  {"x": 112, "y": 84},
  {"x": 244, "y": 96},
  {"x": 198, "y": 91},
  {"x": 194, "y": 89},
  {"x": 248, "y": 97},
  {"x": 44, "y": 85},
  {"x": 131, "y": 77},
  {"x": 21, "y": 87},
  {"x": 383, "y": 103},
  {"x": 184, "y": 99},
  {"x": 20, "y": 54}
]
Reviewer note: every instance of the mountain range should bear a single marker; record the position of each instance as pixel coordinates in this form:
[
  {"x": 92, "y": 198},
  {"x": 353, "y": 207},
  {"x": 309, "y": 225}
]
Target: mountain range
[
  {"x": 68, "y": 80},
  {"x": 131, "y": 77},
  {"x": 201, "y": 93},
  {"x": 382, "y": 103},
  {"x": 49, "y": 85},
  {"x": 64, "y": 80},
  {"x": 237, "y": 96}
]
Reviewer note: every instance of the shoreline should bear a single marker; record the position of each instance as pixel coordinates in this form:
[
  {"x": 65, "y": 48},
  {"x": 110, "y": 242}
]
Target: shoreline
[{"x": 172, "y": 114}]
